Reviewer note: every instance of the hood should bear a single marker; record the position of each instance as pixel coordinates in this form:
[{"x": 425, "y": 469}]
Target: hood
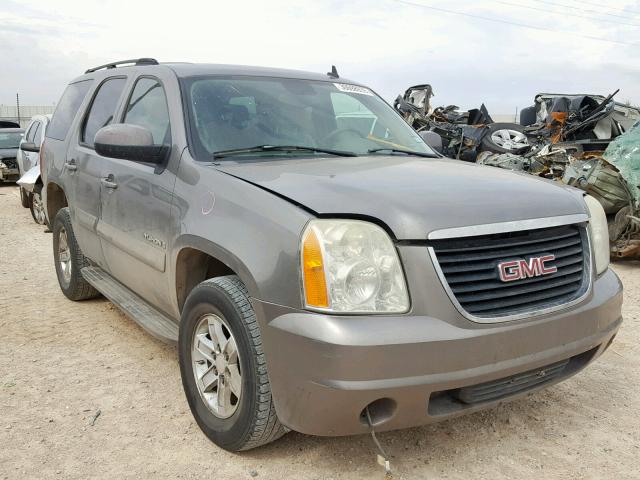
[
  {"x": 412, "y": 196},
  {"x": 8, "y": 153}
]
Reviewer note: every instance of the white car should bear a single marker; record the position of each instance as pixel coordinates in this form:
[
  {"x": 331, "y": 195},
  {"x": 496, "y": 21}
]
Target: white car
[{"x": 29, "y": 165}]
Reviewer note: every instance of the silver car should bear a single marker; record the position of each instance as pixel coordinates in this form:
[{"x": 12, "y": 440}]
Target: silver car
[
  {"x": 317, "y": 275},
  {"x": 29, "y": 166}
]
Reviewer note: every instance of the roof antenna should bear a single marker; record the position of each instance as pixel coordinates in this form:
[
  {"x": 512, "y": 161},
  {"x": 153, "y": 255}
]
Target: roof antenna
[{"x": 333, "y": 73}]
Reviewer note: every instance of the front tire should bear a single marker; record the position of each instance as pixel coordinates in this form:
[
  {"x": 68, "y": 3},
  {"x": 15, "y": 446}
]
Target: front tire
[
  {"x": 223, "y": 367},
  {"x": 69, "y": 259},
  {"x": 36, "y": 206}
]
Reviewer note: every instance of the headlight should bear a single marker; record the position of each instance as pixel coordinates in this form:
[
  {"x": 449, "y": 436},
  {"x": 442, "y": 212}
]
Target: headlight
[
  {"x": 350, "y": 266},
  {"x": 599, "y": 231}
]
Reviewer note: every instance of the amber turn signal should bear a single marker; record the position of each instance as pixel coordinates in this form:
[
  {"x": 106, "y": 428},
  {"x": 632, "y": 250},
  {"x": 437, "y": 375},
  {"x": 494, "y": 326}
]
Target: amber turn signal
[{"x": 315, "y": 285}]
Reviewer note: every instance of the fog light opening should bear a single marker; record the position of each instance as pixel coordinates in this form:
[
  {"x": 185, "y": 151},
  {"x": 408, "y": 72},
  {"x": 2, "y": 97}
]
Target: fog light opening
[{"x": 380, "y": 411}]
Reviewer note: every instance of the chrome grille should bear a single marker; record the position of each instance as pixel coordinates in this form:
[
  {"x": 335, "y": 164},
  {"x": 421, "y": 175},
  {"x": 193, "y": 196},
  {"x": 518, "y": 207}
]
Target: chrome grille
[{"x": 469, "y": 268}]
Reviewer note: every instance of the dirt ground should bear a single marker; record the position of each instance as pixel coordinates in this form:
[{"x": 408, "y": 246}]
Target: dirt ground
[{"x": 61, "y": 362}]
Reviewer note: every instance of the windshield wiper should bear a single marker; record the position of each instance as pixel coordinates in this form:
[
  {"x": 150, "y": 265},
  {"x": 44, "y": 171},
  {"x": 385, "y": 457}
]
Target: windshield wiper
[
  {"x": 399, "y": 150},
  {"x": 280, "y": 148}
]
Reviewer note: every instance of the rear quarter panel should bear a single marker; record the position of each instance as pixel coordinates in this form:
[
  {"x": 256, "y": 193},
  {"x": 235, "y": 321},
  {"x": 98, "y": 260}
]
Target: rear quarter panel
[{"x": 54, "y": 152}]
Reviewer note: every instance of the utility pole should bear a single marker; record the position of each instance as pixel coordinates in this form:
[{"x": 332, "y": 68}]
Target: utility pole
[{"x": 18, "y": 106}]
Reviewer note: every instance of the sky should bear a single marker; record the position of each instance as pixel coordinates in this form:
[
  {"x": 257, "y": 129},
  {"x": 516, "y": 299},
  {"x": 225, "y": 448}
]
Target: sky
[{"x": 498, "y": 52}]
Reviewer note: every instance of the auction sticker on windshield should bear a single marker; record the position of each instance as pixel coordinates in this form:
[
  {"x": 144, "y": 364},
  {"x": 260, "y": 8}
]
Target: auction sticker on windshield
[{"x": 345, "y": 87}]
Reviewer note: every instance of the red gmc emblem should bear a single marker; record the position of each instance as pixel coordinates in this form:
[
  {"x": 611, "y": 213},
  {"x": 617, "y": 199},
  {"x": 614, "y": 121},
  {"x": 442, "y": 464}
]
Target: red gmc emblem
[{"x": 521, "y": 269}]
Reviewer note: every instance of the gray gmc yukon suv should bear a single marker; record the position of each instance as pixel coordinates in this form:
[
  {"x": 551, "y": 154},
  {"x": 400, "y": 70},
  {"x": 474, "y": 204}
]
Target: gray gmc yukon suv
[{"x": 320, "y": 267}]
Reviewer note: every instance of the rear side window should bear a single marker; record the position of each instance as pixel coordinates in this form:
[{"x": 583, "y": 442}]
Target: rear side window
[
  {"x": 67, "y": 108},
  {"x": 102, "y": 109},
  {"x": 147, "y": 108}
]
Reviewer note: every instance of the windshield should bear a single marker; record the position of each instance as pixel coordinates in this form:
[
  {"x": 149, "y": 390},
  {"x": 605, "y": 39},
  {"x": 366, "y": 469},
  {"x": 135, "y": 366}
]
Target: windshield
[
  {"x": 10, "y": 139},
  {"x": 229, "y": 113}
]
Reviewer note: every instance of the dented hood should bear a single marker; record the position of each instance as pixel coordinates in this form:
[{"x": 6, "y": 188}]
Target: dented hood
[{"x": 412, "y": 195}]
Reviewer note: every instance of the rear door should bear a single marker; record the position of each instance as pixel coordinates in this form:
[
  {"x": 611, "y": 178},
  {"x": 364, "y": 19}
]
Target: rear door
[
  {"x": 135, "y": 223},
  {"x": 84, "y": 166}
]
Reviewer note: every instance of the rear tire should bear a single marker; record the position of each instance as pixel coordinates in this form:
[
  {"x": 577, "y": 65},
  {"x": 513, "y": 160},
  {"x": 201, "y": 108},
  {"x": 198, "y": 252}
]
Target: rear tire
[
  {"x": 69, "y": 260},
  {"x": 222, "y": 305}
]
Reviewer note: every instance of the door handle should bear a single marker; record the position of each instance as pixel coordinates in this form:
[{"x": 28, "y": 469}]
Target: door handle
[
  {"x": 71, "y": 165},
  {"x": 108, "y": 182}
]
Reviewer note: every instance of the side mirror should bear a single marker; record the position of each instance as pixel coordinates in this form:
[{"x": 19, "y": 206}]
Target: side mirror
[
  {"x": 432, "y": 139},
  {"x": 129, "y": 142},
  {"x": 29, "y": 147}
]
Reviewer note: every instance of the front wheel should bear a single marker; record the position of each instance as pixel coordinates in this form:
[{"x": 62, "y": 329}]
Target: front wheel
[
  {"x": 223, "y": 367},
  {"x": 36, "y": 206}
]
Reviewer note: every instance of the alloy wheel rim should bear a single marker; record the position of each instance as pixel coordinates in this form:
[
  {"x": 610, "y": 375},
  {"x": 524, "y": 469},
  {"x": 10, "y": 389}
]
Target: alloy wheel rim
[
  {"x": 38, "y": 208},
  {"x": 64, "y": 256},
  {"x": 509, "y": 139},
  {"x": 216, "y": 365}
]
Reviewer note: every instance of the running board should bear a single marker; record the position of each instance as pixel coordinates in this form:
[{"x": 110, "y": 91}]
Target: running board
[{"x": 153, "y": 321}]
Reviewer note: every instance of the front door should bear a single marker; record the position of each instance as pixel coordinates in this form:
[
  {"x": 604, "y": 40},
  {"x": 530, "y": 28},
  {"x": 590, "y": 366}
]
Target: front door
[
  {"x": 29, "y": 159},
  {"x": 134, "y": 226},
  {"x": 84, "y": 167}
]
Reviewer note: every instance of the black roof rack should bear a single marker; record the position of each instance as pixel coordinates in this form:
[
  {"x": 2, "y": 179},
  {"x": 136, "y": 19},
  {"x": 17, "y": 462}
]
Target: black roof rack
[{"x": 135, "y": 61}]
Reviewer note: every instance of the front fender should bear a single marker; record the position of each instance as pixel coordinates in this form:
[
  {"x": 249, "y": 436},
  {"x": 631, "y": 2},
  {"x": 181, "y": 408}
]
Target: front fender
[
  {"x": 218, "y": 252},
  {"x": 252, "y": 231},
  {"x": 30, "y": 179}
]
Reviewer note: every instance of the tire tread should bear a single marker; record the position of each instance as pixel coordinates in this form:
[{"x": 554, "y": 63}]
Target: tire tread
[
  {"x": 266, "y": 427},
  {"x": 79, "y": 288}
]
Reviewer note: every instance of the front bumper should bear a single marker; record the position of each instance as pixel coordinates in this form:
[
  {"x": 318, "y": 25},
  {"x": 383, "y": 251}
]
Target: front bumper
[
  {"x": 325, "y": 369},
  {"x": 9, "y": 174}
]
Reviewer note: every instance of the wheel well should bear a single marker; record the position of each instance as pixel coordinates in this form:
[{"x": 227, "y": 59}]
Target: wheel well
[
  {"x": 194, "y": 266},
  {"x": 56, "y": 199}
]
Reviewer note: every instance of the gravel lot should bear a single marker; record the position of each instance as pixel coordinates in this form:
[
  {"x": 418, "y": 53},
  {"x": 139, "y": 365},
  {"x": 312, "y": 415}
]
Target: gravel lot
[{"x": 61, "y": 362}]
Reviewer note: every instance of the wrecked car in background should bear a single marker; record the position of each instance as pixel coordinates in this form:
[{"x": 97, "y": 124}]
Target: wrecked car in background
[
  {"x": 9, "y": 142},
  {"x": 587, "y": 116},
  {"x": 560, "y": 128},
  {"x": 463, "y": 134},
  {"x": 29, "y": 163},
  {"x": 586, "y": 141}
]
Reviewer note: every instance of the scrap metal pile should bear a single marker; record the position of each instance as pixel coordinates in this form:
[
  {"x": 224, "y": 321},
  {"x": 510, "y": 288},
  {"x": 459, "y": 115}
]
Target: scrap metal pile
[
  {"x": 462, "y": 133},
  {"x": 588, "y": 141}
]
